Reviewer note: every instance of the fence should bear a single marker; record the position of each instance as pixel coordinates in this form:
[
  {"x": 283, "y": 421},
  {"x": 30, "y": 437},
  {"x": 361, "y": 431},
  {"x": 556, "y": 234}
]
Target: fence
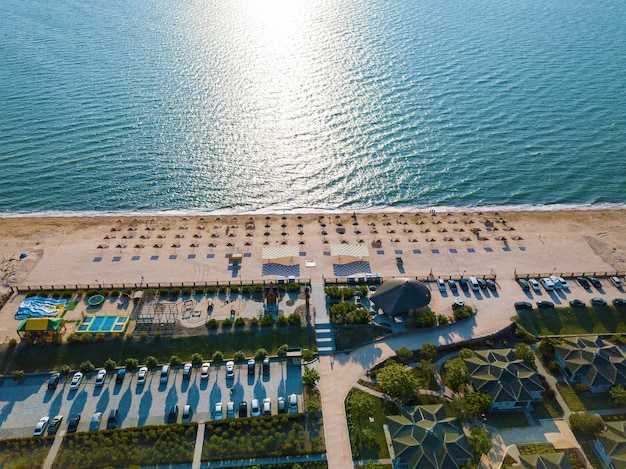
[
  {"x": 378, "y": 279},
  {"x": 571, "y": 274}
]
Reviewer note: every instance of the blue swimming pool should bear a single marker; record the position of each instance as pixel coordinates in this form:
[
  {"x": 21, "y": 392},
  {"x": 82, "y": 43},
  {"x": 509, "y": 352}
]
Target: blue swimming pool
[{"x": 104, "y": 324}]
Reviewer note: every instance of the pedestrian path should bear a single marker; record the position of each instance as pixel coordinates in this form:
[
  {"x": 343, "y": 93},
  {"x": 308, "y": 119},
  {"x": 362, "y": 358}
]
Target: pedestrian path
[{"x": 324, "y": 336}]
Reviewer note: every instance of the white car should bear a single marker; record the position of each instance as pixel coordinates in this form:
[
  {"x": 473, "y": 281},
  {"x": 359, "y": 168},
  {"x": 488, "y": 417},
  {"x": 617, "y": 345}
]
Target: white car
[
  {"x": 76, "y": 380},
  {"x": 534, "y": 284},
  {"x": 293, "y": 404},
  {"x": 267, "y": 406},
  {"x": 255, "y": 408},
  {"x": 442, "y": 285},
  {"x": 100, "y": 377},
  {"x": 41, "y": 426},
  {"x": 547, "y": 284},
  {"x": 557, "y": 282},
  {"x": 187, "y": 371},
  {"x": 141, "y": 375},
  {"x": 230, "y": 410},
  {"x": 230, "y": 369},
  {"x": 204, "y": 373},
  {"x": 218, "y": 415}
]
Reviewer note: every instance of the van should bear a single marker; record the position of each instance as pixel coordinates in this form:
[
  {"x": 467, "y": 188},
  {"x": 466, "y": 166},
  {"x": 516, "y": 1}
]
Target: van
[
  {"x": 165, "y": 373},
  {"x": 474, "y": 284}
]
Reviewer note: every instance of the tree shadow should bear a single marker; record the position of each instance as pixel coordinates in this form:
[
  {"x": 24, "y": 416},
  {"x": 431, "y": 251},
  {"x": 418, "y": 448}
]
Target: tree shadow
[
  {"x": 79, "y": 403},
  {"x": 144, "y": 408},
  {"x": 103, "y": 402},
  {"x": 124, "y": 405},
  {"x": 583, "y": 316},
  {"x": 551, "y": 319},
  {"x": 606, "y": 317}
]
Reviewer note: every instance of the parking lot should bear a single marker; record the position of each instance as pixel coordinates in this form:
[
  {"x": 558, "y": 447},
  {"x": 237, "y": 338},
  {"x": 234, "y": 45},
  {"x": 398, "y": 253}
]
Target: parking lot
[{"x": 22, "y": 405}]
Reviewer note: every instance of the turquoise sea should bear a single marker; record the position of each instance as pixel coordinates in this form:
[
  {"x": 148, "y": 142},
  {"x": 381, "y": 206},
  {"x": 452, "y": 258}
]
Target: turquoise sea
[{"x": 243, "y": 105}]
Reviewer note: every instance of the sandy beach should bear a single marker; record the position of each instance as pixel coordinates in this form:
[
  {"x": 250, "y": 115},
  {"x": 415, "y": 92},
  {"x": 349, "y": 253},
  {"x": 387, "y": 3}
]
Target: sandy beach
[{"x": 162, "y": 249}]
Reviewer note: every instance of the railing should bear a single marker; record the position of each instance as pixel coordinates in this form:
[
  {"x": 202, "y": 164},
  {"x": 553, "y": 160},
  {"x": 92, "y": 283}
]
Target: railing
[{"x": 570, "y": 274}]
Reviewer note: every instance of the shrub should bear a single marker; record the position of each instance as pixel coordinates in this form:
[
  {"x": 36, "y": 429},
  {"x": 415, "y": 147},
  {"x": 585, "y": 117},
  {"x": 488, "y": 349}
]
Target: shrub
[
  {"x": 462, "y": 313},
  {"x": 12, "y": 342},
  {"x": 282, "y": 321},
  {"x": 254, "y": 322},
  {"x": 210, "y": 290},
  {"x": 18, "y": 375},
  {"x": 174, "y": 292},
  {"x": 239, "y": 357},
  {"x": 307, "y": 355},
  {"x": 554, "y": 366},
  {"x": 267, "y": 321},
  {"x": 294, "y": 319},
  {"x": 86, "y": 367},
  {"x": 164, "y": 291},
  {"x": 310, "y": 376},
  {"x": 143, "y": 336},
  {"x": 213, "y": 323},
  {"x": 404, "y": 355},
  {"x": 86, "y": 337},
  {"x": 131, "y": 364},
  {"x": 109, "y": 365},
  {"x": 218, "y": 357},
  {"x": 152, "y": 362},
  {"x": 525, "y": 336},
  {"x": 581, "y": 388},
  {"x": 175, "y": 360},
  {"x": 282, "y": 351},
  {"x": 442, "y": 319},
  {"x": 100, "y": 336},
  {"x": 157, "y": 335},
  {"x": 222, "y": 289},
  {"x": 196, "y": 359},
  {"x": 73, "y": 338},
  {"x": 260, "y": 355},
  {"x": 586, "y": 423},
  {"x": 240, "y": 322},
  {"x": 246, "y": 290},
  {"x": 234, "y": 289},
  {"x": 65, "y": 370},
  {"x": 186, "y": 291},
  {"x": 227, "y": 323}
]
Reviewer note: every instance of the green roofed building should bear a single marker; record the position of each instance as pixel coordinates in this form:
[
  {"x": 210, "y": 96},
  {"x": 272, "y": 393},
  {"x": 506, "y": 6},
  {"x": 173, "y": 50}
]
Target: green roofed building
[
  {"x": 611, "y": 445},
  {"x": 545, "y": 461},
  {"x": 511, "y": 383},
  {"x": 424, "y": 437},
  {"x": 593, "y": 361}
]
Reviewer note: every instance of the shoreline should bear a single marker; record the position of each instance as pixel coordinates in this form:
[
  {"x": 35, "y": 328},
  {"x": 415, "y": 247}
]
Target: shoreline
[{"x": 318, "y": 211}]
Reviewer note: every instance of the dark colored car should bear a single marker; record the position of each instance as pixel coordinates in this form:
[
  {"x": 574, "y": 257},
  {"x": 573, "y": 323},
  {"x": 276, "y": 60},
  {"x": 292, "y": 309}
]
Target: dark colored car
[
  {"x": 492, "y": 285},
  {"x": 583, "y": 282},
  {"x": 523, "y": 305},
  {"x": 112, "y": 420},
  {"x": 545, "y": 304},
  {"x": 598, "y": 301},
  {"x": 619, "y": 301},
  {"x": 483, "y": 283},
  {"x": 463, "y": 284},
  {"x": 266, "y": 366},
  {"x": 172, "y": 414},
  {"x": 54, "y": 381},
  {"x": 243, "y": 409},
  {"x": 251, "y": 365},
  {"x": 524, "y": 284},
  {"x": 72, "y": 423},
  {"x": 595, "y": 282},
  {"x": 282, "y": 405},
  {"x": 576, "y": 302},
  {"x": 119, "y": 377},
  {"x": 55, "y": 424}
]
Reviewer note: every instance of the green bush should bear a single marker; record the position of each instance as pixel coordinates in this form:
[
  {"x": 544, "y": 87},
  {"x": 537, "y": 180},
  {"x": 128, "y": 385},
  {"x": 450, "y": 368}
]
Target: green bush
[
  {"x": 213, "y": 323},
  {"x": 218, "y": 357},
  {"x": 293, "y": 287},
  {"x": 260, "y": 355},
  {"x": 109, "y": 365},
  {"x": 525, "y": 336},
  {"x": 211, "y": 290},
  {"x": 131, "y": 364},
  {"x": 346, "y": 312},
  {"x": 239, "y": 357},
  {"x": 227, "y": 324},
  {"x": 267, "y": 321},
  {"x": 222, "y": 289},
  {"x": 240, "y": 322},
  {"x": 246, "y": 290},
  {"x": 186, "y": 291},
  {"x": 442, "y": 319},
  {"x": 12, "y": 342},
  {"x": 175, "y": 292},
  {"x": 86, "y": 367},
  {"x": 254, "y": 322},
  {"x": 282, "y": 321},
  {"x": 164, "y": 291},
  {"x": 234, "y": 289},
  {"x": 294, "y": 319},
  {"x": 18, "y": 375},
  {"x": 152, "y": 362},
  {"x": 175, "y": 360},
  {"x": 461, "y": 313},
  {"x": 196, "y": 359}
]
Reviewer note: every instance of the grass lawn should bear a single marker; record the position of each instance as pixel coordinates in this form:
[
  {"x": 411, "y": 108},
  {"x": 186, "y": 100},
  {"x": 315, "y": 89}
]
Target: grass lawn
[
  {"x": 369, "y": 384},
  {"x": 508, "y": 419},
  {"x": 24, "y": 453},
  {"x": 376, "y": 446},
  {"x": 574, "y": 320},
  {"x": 348, "y": 337},
  {"x": 580, "y": 401},
  {"x": 50, "y": 357},
  {"x": 548, "y": 409},
  {"x": 140, "y": 446}
]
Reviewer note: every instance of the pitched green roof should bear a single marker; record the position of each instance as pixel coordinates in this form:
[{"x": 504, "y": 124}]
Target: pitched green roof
[
  {"x": 545, "y": 461},
  {"x": 613, "y": 441}
]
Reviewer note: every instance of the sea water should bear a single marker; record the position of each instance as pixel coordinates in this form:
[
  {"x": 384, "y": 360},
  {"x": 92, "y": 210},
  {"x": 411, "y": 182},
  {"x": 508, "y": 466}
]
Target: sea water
[{"x": 242, "y": 105}]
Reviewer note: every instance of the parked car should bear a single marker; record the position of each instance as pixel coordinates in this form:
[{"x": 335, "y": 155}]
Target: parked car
[
  {"x": 72, "y": 423},
  {"x": 483, "y": 283},
  {"x": 112, "y": 420},
  {"x": 534, "y": 285},
  {"x": 524, "y": 284},
  {"x": 267, "y": 406},
  {"x": 243, "y": 409},
  {"x": 282, "y": 405},
  {"x": 563, "y": 282},
  {"x": 293, "y": 404},
  {"x": 141, "y": 375},
  {"x": 452, "y": 285},
  {"x": 53, "y": 428},
  {"x": 95, "y": 421},
  {"x": 76, "y": 380},
  {"x": 230, "y": 410},
  {"x": 251, "y": 366},
  {"x": 255, "y": 408},
  {"x": 523, "y": 305},
  {"x": 230, "y": 369},
  {"x": 266, "y": 366},
  {"x": 619, "y": 301},
  {"x": 595, "y": 282},
  {"x": 187, "y": 371},
  {"x": 187, "y": 414},
  {"x": 458, "y": 304},
  {"x": 41, "y": 426},
  {"x": 442, "y": 285},
  {"x": 547, "y": 284},
  {"x": 492, "y": 285},
  {"x": 100, "y": 377},
  {"x": 598, "y": 301},
  {"x": 204, "y": 371},
  {"x": 172, "y": 414},
  {"x": 616, "y": 282},
  {"x": 545, "y": 304},
  {"x": 474, "y": 284},
  {"x": 119, "y": 377},
  {"x": 583, "y": 282},
  {"x": 53, "y": 381},
  {"x": 464, "y": 284},
  {"x": 165, "y": 374},
  {"x": 217, "y": 414},
  {"x": 576, "y": 303}
]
